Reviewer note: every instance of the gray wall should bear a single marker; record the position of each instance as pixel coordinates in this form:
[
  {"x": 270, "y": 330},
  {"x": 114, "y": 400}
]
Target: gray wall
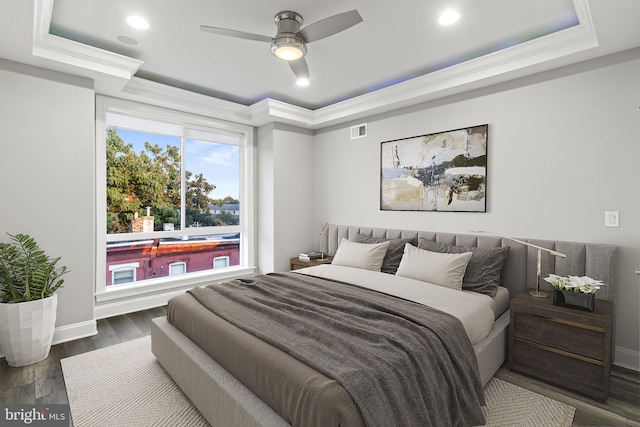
[
  {"x": 47, "y": 175},
  {"x": 563, "y": 149},
  {"x": 285, "y": 195}
]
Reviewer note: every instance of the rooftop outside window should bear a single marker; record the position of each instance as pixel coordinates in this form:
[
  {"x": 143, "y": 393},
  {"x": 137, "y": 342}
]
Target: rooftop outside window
[{"x": 173, "y": 199}]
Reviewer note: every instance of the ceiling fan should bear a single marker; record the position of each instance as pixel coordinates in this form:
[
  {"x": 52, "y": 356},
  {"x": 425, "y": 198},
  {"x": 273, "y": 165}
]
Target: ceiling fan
[{"x": 290, "y": 42}]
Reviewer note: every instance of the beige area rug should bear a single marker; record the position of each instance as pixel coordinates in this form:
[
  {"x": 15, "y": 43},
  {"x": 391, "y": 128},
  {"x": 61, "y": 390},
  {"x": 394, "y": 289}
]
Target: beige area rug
[{"x": 124, "y": 385}]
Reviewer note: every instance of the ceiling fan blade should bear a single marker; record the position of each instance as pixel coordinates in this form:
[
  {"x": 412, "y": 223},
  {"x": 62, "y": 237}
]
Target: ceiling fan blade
[
  {"x": 300, "y": 68},
  {"x": 330, "y": 26},
  {"x": 236, "y": 33}
]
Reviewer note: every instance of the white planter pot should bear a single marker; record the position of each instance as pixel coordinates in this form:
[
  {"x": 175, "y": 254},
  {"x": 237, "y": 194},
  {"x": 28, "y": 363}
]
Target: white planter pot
[{"x": 26, "y": 330}]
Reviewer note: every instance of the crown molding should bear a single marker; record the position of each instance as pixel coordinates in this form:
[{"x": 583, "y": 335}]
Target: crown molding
[
  {"x": 265, "y": 111},
  {"x": 487, "y": 69},
  {"x": 526, "y": 58},
  {"x": 76, "y": 54},
  {"x": 161, "y": 95}
]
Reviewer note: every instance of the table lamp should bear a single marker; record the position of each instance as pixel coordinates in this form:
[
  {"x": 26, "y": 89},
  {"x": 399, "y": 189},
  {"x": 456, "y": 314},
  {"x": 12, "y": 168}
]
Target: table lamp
[{"x": 537, "y": 292}]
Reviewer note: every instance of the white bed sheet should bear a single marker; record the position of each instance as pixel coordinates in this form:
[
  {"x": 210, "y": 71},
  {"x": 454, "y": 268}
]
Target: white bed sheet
[
  {"x": 474, "y": 310},
  {"x": 498, "y": 304}
]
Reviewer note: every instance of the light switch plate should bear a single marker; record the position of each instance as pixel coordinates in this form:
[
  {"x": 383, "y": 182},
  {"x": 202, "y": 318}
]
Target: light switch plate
[{"x": 612, "y": 219}]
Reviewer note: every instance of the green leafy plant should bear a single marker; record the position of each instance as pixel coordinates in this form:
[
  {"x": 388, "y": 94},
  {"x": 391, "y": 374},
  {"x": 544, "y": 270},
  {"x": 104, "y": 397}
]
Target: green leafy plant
[{"x": 26, "y": 272}]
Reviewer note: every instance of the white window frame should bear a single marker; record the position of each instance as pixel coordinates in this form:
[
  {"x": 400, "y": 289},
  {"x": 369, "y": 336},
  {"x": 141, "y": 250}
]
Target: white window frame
[
  {"x": 175, "y": 264},
  {"x": 219, "y": 258},
  {"x": 132, "y": 266},
  {"x": 170, "y": 122},
  {"x": 114, "y": 273}
]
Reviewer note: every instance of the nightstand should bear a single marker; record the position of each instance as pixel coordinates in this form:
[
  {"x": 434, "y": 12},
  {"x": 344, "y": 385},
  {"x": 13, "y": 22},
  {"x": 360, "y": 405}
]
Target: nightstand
[
  {"x": 563, "y": 346},
  {"x": 297, "y": 263}
]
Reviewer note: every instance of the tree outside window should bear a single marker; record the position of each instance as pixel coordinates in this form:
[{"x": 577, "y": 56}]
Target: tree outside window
[
  {"x": 150, "y": 190},
  {"x": 150, "y": 176}
]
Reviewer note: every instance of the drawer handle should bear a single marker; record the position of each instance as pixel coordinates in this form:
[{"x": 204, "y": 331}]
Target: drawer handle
[
  {"x": 565, "y": 322},
  {"x": 562, "y": 352}
]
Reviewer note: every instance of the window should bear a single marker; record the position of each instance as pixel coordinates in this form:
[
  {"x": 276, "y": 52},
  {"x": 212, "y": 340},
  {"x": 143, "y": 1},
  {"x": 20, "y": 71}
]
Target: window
[
  {"x": 177, "y": 268},
  {"x": 123, "y": 273},
  {"x": 170, "y": 185},
  {"x": 221, "y": 262}
]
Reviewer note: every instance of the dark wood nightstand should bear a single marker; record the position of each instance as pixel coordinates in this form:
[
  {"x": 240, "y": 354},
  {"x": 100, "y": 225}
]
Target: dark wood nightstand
[
  {"x": 563, "y": 346},
  {"x": 297, "y": 263}
]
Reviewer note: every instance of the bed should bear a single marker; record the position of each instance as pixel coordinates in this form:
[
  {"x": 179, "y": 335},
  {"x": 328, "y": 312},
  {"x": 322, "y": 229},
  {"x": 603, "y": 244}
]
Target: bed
[{"x": 202, "y": 367}]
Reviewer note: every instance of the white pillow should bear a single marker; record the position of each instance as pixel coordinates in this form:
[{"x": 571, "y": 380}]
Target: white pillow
[
  {"x": 367, "y": 256},
  {"x": 434, "y": 267}
]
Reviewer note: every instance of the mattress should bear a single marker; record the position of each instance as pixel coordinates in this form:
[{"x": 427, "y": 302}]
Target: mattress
[
  {"x": 281, "y": 380},
  {"x": 476, "y": 311}
]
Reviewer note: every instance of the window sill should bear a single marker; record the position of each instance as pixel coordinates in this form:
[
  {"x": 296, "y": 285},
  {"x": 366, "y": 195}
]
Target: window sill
[{"x": 160, "y": 286}]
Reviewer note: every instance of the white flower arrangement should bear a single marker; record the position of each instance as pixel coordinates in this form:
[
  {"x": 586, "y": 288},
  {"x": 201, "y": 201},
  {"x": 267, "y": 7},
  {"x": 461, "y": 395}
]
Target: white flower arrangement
[{"x": 583, "y": 284}]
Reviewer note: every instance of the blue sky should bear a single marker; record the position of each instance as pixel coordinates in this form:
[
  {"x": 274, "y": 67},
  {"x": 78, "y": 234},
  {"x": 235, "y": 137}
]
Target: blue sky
[{"x": 219, "y": 163}]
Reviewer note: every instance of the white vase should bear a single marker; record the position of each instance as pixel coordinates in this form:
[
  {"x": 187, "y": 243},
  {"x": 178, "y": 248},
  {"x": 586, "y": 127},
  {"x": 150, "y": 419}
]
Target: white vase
[{"x": 26, "y": 330}]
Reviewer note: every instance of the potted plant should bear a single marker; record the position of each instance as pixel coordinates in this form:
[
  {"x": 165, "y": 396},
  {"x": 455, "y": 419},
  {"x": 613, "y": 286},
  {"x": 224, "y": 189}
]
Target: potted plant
[
  {"x": 574, "y": 292},
  {"x": 28, "y": 281}
]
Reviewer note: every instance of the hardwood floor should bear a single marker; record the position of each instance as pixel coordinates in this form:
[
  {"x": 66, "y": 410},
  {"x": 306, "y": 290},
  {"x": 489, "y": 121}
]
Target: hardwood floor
[{"x": 43, "y": 382}]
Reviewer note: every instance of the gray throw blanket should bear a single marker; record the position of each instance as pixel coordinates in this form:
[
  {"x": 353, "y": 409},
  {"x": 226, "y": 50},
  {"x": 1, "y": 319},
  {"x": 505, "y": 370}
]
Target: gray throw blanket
[{"x": 404, "y": 364}]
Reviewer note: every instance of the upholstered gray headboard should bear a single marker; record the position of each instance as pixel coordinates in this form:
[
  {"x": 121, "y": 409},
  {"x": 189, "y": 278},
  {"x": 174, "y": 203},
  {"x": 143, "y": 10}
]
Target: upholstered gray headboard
[{"x": 597, "y": 261}]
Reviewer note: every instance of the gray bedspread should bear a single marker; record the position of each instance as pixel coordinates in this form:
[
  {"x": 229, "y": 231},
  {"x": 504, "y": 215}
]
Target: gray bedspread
[{"x": 404, "y": 364}]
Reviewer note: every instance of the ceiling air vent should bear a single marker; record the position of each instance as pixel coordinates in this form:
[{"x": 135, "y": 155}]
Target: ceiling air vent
[{"x": 359, "y": 131}]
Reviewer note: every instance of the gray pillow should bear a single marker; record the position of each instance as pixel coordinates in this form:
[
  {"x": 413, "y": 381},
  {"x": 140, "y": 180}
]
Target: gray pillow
[
  {"x": 484, "y": 268},
  {"x": 394, "y": 251}
]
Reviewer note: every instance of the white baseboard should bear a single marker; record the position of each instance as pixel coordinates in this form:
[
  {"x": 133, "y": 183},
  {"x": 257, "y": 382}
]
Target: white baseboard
[
  {"x": 71, "y": 332},
  {"x": 75, "y": 331},
  {"x": 626, "y": 358}
]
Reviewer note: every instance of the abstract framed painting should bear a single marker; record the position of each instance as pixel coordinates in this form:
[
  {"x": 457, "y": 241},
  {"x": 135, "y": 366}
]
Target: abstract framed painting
[{"x": 445, "y": 171}]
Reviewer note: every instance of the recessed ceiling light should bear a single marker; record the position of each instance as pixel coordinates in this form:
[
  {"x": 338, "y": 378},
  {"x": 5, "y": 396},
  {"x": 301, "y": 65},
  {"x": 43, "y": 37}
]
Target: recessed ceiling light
[
  {"x": 127, "y": 40},
  {"x": 138, "y": 22},
  {"x": 302, "y": 82},
  {"x": 448, "y": 17}
]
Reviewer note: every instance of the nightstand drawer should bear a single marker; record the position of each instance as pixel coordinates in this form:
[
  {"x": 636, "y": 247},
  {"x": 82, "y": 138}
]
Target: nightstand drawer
[
  {"x": 567, "y": 347},
  {"x": 567, "y": 336},
  {"x": 565, "y": 370}
]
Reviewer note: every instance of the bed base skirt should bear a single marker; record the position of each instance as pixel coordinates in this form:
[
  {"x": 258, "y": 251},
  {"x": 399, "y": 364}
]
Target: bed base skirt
[
  {"x": 225, "y": 401},
  {"x": 220, "y": 397},
  {"x": 491, "y": 352}
]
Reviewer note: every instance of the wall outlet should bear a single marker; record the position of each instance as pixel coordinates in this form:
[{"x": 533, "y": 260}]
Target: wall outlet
[{"x": 612, "y": 219}]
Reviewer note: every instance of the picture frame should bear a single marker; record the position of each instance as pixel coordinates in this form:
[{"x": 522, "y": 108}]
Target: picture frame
[{"x": 443, "y": 171}]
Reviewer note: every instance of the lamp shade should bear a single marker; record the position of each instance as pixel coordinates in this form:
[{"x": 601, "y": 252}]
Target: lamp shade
[{"x": 288, "y": 47}]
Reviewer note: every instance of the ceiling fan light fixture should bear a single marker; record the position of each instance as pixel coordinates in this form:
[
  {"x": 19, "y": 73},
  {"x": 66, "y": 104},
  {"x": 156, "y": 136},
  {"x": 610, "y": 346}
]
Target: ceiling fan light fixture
[{"x": 288, "y": 48}]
